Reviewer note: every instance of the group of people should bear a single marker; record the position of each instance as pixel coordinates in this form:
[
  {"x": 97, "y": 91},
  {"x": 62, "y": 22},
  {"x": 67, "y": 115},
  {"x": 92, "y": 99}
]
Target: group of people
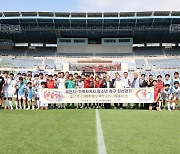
[{"x": 25, "y": 89}]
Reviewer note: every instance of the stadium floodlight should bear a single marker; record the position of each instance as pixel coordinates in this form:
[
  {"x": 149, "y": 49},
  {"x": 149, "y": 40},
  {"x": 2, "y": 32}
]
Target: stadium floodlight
[
  {"x": 174, "y": 28},
  {"x": 10, "y": 28}
]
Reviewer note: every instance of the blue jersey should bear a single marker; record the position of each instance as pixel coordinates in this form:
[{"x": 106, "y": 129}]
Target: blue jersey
[
  {"x": 21, "y": 88},
  {"x": 30, "y": 92}
]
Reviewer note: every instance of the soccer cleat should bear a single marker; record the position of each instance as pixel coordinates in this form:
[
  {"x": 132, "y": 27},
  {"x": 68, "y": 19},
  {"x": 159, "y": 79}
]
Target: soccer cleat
[{"x": 11, "y": 108}]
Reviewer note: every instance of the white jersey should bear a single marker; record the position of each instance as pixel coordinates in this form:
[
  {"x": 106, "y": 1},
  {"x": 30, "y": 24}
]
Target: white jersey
[
  {"x": 41, "y": 96},
  {"x": 11, "y": 86},
  {"x": 61, "y": 83},
  {"x": 166, "y": 94},
  {"x": 118, "y": 84},
  {"x": 36, "y": 84},
  {"x": 6, "y": 85},
  {"x": 176, "y": 92},
  {"x": 40, "y": 81},
  {"x": 80, "y": 84},
  {"x": 126, "y": 82},
  {"x": 32, "y": 81}
]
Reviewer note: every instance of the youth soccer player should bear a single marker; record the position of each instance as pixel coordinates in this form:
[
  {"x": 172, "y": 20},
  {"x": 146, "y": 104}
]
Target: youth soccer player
[
  {"x": 42, "y": 104},
  {"x": 156, "y": 96},
  {"x": 11, "y": 90},
  {"x": 30, "y": 95},
  {"x": 166, "y": 93},
  {"x": 5, "y": 95},
  {"x": 1, "y": 88},
  {"x": 36, "y": 85},
  {"x": 70, "y": 84},
  {"x": 175, "y": 95},
  {"x": 21, "y": 92}
]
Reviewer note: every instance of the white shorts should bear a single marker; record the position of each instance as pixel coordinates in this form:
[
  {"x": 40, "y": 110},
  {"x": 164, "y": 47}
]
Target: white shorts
[
  {"x": 36, "y": 95},
  {"x": 30, "y": 99},
  {"x": 5, "y": 94},
  {"x": 21, "y": 96},
  {"x": 12, "y": 95}
]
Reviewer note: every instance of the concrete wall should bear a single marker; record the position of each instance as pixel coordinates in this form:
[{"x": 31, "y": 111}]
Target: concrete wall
[{"x": 94, "y": 48}]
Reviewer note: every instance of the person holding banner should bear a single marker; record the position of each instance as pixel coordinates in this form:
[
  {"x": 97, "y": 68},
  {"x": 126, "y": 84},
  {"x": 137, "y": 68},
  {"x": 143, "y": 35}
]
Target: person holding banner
[
  {"x": 70, "y": 84},
  {"x": 41, "y": 96},
  {"x": 160, "y": 85},
  {"x": 127, "y": 83},
  {"x": 107, "y": 84},
  {"x": 156, "y": 97},
  {"x": 87, "y": 85},
  {"x": 61, "y": 86},
  {"x": 97, "y": 84},
  {"x": 136, "y": 84},
  {"x": 143, "y": 84},
  {"x": 80, "y": 85},
  {"x": 50, "y": 84},
  {"x": 118, "y": 84}
]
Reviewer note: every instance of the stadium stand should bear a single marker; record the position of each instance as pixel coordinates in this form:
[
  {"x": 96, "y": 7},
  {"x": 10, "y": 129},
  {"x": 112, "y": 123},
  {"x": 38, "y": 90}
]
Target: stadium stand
[
  {"x": 165, "y": 63},
  {"x": 21, "y": 63},
  {"x": 42, "y": 52},
  {"x": 140, "y": 63},
  {"x": 148, "y": 51}
]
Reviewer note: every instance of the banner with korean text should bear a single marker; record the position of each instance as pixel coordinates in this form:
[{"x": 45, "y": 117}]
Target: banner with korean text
[{"x": 99, "y": 95}]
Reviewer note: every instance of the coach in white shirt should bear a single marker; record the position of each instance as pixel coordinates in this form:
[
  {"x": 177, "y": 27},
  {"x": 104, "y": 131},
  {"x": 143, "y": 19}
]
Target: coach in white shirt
[
  {"x": 126, "y": 80},
  {"x": 118, "y": 84}
]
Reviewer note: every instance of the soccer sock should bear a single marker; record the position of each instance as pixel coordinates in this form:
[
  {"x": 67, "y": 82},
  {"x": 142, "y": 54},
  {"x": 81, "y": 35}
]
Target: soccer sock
[
  {"x": 10, "y": 104},
  {"x": 38, "y": 105},
  {"x": 33, "y": 107},
  {"x": 160, "y": 104},
  {"x": 16, "y": 104},
  {"x": 168, "y": 106},
  {"x": 4, "y": 103},
  {"x": 173, "y": 106}
]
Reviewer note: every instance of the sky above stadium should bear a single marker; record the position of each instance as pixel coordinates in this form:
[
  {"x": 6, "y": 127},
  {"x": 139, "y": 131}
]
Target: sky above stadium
[{"x": 89, "y": 5}]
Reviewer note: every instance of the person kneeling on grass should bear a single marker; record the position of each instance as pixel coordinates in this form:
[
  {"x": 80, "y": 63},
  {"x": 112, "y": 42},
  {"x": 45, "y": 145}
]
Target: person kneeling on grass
[
  {"x": 156, "y": 97},
  {"x": 174, "y": 98},
  {"x": 30, "y": 95},
  {"x": 42, "y": 104}
]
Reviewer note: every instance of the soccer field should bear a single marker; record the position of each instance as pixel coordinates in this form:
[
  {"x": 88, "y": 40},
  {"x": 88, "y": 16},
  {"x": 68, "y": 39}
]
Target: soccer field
[{"x": 74, "y": 131}]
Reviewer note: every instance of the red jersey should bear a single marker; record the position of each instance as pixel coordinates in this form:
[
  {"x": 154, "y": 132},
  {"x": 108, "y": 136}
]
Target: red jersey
[
  {"x": 98, "y": 84},
  {"x": 86, "y": 83},
  {"x": 160, "y": 85},
  {"x": 91, "y": 83},
  {"x": 50, "y": 84},
  {"x": 156, "y": 93}
]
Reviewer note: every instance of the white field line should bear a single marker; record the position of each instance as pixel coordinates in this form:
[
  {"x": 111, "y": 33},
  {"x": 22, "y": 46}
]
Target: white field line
[{"x": 100, "y": 137}]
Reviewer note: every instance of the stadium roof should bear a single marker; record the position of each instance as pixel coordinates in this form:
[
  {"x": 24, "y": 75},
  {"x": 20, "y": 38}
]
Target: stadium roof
[{"x": 45, "y": 27}]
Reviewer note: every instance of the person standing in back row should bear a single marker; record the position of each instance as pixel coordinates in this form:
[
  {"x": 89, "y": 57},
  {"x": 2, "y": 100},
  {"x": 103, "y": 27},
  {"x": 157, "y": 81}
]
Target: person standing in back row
[
  {"x": 1, "y": 88},
  {"x": 136, "y": 84},
  {"x": 107, "y": 84}
]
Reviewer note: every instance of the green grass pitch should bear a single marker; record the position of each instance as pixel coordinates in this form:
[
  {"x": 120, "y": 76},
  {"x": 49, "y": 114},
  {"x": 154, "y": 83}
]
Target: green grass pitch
[{"x": 74, "y": 131}]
